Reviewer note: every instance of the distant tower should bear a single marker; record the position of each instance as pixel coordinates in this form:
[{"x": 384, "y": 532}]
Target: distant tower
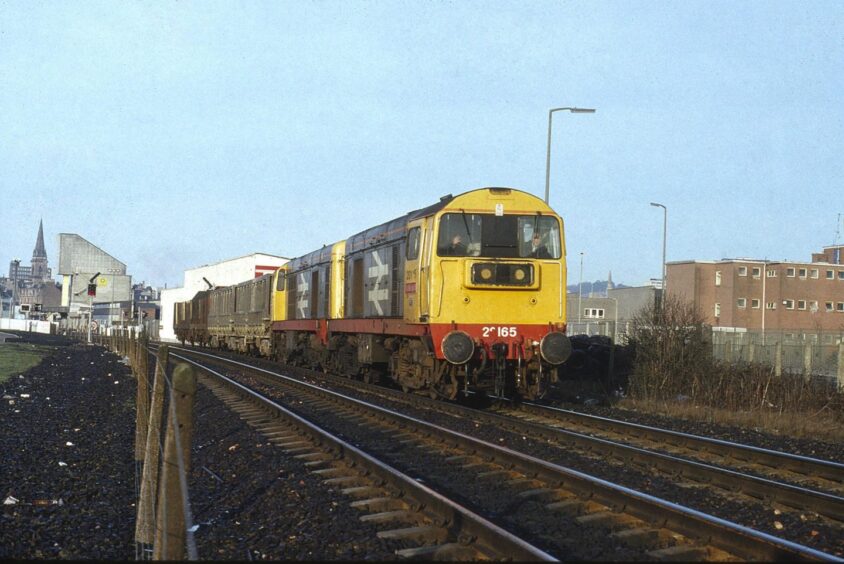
[
  {"x": 610, "y": 285},
  {"x": 39, "y": 257}
]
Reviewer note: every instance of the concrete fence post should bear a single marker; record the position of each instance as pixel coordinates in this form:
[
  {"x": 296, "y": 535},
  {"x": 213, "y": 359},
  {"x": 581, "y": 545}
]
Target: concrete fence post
[
  {"x": 144, "y": 524},
  {"x": 807, "y": 360},
  {"x": 751, "y": 351},
  {"x": 841, "y": 366},
  {"x": 170, "y": 530},
  {"x": 778, "y": 359}
]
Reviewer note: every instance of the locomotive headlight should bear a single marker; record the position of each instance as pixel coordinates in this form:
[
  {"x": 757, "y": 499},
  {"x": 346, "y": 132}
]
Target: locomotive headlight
[
  {"x": 458, "y": 347},
  {"x": 486, "y": 274},
  {"x": 555, "y": 347},
  {"x": 519, "y": 274}
]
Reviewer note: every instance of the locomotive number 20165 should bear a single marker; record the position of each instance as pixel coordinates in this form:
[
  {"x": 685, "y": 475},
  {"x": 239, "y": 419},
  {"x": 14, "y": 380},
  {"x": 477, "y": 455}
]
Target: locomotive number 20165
[{"x": 499, "y": 331}]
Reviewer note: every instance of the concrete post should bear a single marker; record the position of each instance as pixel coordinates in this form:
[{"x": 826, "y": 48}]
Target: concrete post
[
  {"x": 841, "y": 366},
  {"x": 170, "y": 530},
  {"x": 778, "y": 359},
  {"x": 751, "y": 351},
  {"x": 807, "y": 360},
  {"x": 149, "y": 477}
]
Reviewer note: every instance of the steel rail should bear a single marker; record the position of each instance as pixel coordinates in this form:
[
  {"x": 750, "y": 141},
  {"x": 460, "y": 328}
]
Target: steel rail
[
  {"x": 799, "y": 464},
  {"x": 731, "y": 537},
  {"x": 790, "y": 495},
  {"x": 490, "y": 538}
]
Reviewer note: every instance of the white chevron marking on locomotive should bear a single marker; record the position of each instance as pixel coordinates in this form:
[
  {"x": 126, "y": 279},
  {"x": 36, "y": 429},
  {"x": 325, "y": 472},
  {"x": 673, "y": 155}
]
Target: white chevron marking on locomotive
[
  {"x": 302, "y": 288},
  {"x": 378, "y": 271}
]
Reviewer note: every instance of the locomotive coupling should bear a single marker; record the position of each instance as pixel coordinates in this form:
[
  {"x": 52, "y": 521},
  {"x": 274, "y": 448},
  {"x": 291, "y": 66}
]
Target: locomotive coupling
[{"x": 555, "y": 348}]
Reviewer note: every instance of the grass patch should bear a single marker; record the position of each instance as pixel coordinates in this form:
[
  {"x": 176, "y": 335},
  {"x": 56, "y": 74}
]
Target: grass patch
[
  {"x": 17, "y": 358},
  {"x": 822, "y": 425}
]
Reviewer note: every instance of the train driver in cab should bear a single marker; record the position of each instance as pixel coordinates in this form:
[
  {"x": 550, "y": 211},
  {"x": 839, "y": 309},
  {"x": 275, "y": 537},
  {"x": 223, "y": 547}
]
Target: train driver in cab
[
  {"x": 538, "y": 248},
  {"x": 457, "y": 248}
]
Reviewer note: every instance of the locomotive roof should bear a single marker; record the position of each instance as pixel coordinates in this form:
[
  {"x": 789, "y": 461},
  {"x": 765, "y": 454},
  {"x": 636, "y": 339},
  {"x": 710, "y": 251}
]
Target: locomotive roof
[
  {"x": 390, "y": 230},
  {"x": 396, "y": 228}
]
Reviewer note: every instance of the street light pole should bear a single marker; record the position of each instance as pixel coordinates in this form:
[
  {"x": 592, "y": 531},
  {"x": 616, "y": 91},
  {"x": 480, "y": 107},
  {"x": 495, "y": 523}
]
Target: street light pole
[
  {"x": 548, "y": 154},
  {"x": 580, "y": 291},
  {"x": 664, "y": 235},
  {"x": 615, "y": 320}
]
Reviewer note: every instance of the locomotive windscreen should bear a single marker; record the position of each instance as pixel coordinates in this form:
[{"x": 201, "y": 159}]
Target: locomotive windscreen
[{"x": 491, "y": 236}]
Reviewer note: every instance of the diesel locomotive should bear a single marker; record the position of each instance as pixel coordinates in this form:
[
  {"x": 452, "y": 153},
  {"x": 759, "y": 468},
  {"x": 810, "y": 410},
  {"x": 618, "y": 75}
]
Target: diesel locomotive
[{"x": 466, "y": 294}]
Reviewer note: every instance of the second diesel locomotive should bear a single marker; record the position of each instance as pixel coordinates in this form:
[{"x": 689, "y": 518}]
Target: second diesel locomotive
[{"x": 466, "y": 294}]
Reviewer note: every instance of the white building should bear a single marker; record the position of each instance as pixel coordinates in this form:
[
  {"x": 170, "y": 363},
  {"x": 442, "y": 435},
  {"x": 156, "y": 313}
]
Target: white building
[{"x": 225, "y": 273}]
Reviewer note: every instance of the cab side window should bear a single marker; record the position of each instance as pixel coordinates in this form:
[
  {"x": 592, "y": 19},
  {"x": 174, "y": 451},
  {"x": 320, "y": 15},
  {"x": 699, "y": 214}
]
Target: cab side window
[{"x": 412, "y": 249}]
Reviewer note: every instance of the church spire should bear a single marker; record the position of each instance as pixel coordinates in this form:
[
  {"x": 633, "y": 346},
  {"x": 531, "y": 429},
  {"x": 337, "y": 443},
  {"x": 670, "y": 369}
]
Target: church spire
[{"x": 40, "y": 251}]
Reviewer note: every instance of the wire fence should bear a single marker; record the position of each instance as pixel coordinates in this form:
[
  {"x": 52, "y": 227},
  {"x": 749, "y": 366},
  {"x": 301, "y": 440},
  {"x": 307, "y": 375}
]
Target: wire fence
[
  {"x": 164, "y": 525},
  {"x": 819, "y": 354}
]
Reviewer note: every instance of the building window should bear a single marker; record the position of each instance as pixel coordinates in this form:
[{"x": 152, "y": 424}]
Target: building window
[
  {"x": 771, "y": 305},
  {"x": 742, "y": 271},
  {"x": 814, "y": 273},
  {"x": 829, "y": 306},
  {"x": 717, "y": 310},
  {"x": 801, "y": 304},
  {"x": 717, "y": 277},
  {"x": 813, "y": 306},
  {"x": 593, "y": 313},
  {"x": 840, "y": 306},
  {"x": 754, "y": 304},
  {"x": 757, "y": 272},
  {"x": 789, "y": 272},
  {"x": 830, "y": 274},
  {"x": 841, "y": 274},
  {"x": 741, "y": 302},
  {"x": 789, "y": 304},
  {"x": 802, "y": 273},
  {"x": 772, "y": 273}
]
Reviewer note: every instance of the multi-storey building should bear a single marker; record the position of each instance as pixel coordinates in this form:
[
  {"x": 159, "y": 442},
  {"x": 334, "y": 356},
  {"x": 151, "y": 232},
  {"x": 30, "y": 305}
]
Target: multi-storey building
[{"x": 765, "y": 295}]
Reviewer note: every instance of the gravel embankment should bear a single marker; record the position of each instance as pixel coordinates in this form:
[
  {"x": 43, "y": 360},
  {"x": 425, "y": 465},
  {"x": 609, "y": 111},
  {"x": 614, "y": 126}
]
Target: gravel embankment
[
  {"x": 71, "y": 441},
  {"x": 252, "y": 501},
  {"x": 67, "y": 474}
]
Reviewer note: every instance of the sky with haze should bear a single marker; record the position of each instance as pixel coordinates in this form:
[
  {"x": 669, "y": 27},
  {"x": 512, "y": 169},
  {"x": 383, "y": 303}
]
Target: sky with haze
[{"x": 177, "y": 134}]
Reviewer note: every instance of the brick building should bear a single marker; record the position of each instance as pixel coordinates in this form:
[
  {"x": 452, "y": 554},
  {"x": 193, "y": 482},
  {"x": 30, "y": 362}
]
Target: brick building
[{"x": 765, "y": 295}]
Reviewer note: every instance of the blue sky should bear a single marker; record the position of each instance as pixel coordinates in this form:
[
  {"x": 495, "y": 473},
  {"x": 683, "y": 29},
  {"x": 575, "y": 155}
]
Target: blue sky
[{"x": 176, "y": 134}]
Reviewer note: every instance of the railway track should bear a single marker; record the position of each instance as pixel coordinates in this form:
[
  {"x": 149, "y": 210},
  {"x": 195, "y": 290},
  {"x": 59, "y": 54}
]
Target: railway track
[
  {"x": 563, "y": 502},
  {"x": 408, "y": 511},
  {"x": 805, "y": 471},
  {"x": 786, "y": 480}
]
